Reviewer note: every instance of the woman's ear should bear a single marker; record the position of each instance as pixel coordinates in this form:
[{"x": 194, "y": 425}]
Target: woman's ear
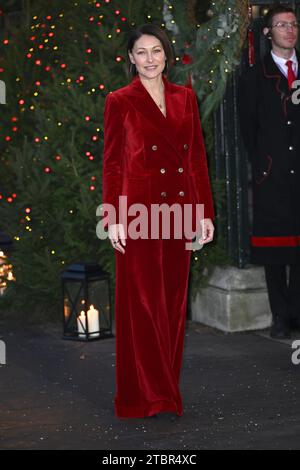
[{"x": 131, "y": 58}]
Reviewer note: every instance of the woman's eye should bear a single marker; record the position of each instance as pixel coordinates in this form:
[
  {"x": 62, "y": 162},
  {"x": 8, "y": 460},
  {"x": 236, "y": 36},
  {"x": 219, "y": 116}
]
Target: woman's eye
[{"x": 157, "y": 50}]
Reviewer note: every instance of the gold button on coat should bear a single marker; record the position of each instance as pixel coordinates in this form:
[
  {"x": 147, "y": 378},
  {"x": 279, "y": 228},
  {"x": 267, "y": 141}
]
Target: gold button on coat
[
  {"x": 163, "y": 194},
  {"x": 181, "y": 193},
  {"x": 154, "y": 147},
  {"x": 162, "y": 170},
  {"x": 180, "y": 170},
  {"x": 186, "y": 146}
]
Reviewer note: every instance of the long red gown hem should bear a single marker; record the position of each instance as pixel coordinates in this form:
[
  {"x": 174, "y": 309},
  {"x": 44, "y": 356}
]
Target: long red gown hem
[{"x": 141, "y": 411}]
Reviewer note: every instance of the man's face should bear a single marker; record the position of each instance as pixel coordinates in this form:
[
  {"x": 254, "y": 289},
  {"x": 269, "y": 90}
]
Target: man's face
[{"x": 284, "y": 35}]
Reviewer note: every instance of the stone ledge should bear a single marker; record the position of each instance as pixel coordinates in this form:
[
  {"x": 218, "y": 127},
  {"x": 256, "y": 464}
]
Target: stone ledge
[{"x": 234, "y": 300}]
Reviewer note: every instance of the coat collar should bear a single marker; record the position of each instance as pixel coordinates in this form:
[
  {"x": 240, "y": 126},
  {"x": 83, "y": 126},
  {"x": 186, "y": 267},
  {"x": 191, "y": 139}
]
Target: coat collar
[
  {"x": 175, "y": 98},
  {"x": 272, "y": 72}
]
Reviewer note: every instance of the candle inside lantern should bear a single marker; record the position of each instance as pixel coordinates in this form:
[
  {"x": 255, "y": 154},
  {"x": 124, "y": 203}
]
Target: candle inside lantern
[
  {"x": 67, "y": 309},
  {"x": 93, "y": 323},
  {"x": 81, "y": 324}
]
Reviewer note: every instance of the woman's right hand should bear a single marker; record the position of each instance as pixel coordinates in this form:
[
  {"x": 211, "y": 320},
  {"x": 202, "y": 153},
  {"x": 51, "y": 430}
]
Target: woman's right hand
[{"x": 116, "y": 235}]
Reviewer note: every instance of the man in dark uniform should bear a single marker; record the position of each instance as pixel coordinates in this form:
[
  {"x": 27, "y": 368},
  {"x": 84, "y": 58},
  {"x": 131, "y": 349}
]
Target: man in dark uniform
[{"x": 270, "y": 125}]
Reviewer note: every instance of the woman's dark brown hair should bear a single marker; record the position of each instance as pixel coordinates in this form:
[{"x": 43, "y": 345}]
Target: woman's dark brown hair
[{"x": 152, "y": 30}]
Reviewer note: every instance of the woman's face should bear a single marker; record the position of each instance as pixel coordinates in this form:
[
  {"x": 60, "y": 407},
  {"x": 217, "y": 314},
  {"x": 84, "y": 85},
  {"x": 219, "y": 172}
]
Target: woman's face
[{"x": 148, "y": 56}]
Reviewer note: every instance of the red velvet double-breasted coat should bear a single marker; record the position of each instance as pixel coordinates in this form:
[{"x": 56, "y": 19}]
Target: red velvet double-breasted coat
[{"x": 152, "y": 159}]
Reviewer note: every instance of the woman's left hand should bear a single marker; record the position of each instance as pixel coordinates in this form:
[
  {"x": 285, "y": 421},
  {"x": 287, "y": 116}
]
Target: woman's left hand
[{"x": 207, "y": 231}]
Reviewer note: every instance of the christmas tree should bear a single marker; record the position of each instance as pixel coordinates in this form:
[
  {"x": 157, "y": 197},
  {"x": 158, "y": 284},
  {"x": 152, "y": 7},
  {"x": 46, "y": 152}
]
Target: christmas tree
[
  {"x": 58, "y": 64},
  {"x": 57, "y": 72}
]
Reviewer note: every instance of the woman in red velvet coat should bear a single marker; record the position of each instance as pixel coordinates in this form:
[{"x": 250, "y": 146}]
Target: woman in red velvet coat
[{"x": 153, "y": 153}]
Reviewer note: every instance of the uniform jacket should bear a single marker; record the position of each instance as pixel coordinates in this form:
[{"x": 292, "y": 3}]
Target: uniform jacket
[
  {"x": 270, "y": 125},
  {"x": 151, "y": 158}
]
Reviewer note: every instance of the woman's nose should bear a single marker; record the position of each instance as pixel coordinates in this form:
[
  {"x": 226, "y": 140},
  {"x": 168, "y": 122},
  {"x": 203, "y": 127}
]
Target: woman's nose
[{"x": 150, "y": 58}]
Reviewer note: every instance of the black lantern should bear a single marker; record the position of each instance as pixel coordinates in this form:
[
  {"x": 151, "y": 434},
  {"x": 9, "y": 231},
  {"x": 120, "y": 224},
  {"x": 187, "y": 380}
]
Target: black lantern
[{"x": 86, "y": 291}]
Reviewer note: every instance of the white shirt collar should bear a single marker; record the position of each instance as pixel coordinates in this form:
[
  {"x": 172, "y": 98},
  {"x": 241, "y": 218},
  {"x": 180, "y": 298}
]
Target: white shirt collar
[{"x": 281, "y": 62}]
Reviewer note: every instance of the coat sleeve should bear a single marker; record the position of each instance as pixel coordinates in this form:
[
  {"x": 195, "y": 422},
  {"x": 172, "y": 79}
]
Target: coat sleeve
[
  {"x": 112, "y": 156},
  {"x": 201, "y": 164},
  {"x": 247, "y": 108}
]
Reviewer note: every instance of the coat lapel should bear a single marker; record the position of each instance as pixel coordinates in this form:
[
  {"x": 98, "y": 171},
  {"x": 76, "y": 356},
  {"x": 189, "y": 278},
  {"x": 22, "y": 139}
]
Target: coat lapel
[
  {"x": 272, "y": 72},
  {"x": 168, "y": 126}
]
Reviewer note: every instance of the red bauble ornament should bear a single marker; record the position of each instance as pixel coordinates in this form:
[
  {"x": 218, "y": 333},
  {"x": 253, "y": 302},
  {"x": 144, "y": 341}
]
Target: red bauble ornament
[{"x": 186, "y": 59}]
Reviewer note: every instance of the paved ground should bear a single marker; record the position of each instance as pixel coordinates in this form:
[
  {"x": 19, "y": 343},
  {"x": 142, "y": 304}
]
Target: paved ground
[{"x": 240, "y": 391}]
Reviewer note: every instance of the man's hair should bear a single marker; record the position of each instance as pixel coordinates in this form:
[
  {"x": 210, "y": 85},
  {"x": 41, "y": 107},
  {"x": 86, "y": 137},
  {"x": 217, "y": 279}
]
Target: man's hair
[{"x": 275, "y": 10}]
